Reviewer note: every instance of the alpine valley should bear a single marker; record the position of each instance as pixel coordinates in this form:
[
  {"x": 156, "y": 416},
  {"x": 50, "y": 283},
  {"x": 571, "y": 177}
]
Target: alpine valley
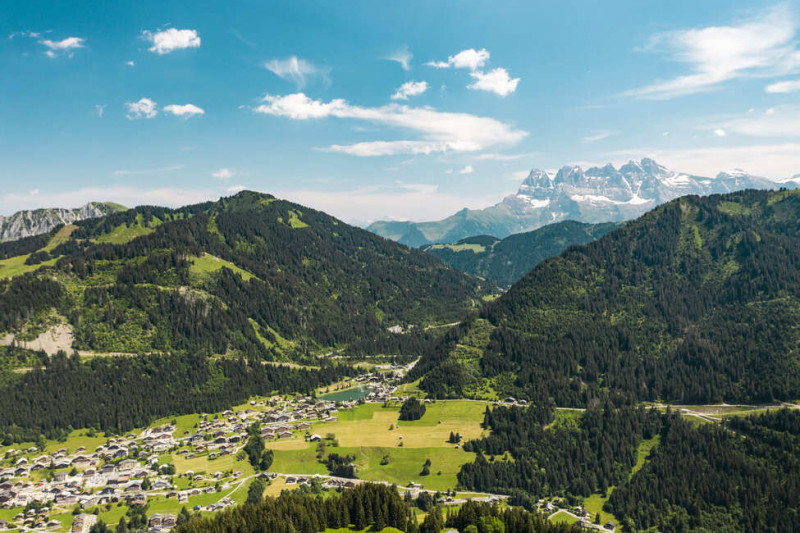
[
  {"x": 593, "y": 195},
  {"x": 251, "y": 364}
]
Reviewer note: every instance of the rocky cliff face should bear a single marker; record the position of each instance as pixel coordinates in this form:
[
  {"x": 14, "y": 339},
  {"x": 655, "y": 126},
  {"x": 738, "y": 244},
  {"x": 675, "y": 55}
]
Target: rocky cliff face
[
  {"x": 597, "y": 194},
  {"x": 27, "y": 223}
]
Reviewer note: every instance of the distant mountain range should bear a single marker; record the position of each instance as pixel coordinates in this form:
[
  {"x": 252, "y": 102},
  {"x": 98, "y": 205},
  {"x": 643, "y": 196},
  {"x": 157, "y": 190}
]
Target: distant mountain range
[
  {"x": 597, "y": 194},
  {"x": 506, "y": 261},
  {"x": 29, "y": 223}
]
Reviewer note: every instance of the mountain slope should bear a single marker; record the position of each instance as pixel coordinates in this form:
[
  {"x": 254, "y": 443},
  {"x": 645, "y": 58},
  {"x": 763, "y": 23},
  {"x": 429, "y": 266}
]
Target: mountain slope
[
  {"x": 29, "y": 223},
  {"x": 697, "y": 301},
  {"x": 506, "y": 261},
  {"x": 597, "y": 194},
  {"x": 248, "y": 274}
]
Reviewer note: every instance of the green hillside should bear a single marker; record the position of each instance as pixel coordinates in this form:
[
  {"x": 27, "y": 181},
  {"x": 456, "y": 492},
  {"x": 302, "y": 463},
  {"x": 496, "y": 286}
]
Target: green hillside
[
  {"x": 249, "y": 274},
  {"x": 506, "y": 261},
  {"x": 697, "y": 301}
]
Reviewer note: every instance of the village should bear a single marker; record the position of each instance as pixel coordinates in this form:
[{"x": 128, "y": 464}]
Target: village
[
  {"x": 68, "y": 490},
  {"x": 127, "y": 470}
]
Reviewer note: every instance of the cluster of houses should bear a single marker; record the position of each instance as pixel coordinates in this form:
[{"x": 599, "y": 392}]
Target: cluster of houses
[
  {"x": 116, "y": 471},
  {"x": 584, "y": 517}
]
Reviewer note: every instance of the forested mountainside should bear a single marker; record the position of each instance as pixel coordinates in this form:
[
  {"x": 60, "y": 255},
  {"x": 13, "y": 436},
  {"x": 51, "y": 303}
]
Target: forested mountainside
[
  {"x": 741, "y": 475},
  {"x": 29, "y": 223},
  {"x": 367, "y": 507},
  {"x": 117, "y": 394},
  {"x": 697, "y": 301},
  {"x": 249, "y": 274},
  {"x": 506, "y": 261}
]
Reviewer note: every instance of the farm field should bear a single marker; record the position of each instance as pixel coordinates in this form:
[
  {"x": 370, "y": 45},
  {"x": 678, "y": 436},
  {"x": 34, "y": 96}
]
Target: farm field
[{"x": 364, "y": 432}]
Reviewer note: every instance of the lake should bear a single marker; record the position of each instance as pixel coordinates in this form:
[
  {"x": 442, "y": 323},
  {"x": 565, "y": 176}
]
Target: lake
[{"x": 347, "y": 395}]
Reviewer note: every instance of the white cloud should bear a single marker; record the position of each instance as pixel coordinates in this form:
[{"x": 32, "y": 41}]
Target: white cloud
[
  {"x": 520, "y": 175},
  {"x": 440, "y": 131},
  {"x": 171, "y": 39},
  {"x": 100, "y": 110},
  {"x": 396, "y": 201},
  {"x": 502, "y": 157},
  {"x": 783, "y": 87},
  {"x": 497, "y": 81},
  {"x": 144, "y": 108},
  {"x": 64, "y": 46},
  {"x": 392, "y": 202},
  {"x": 781, "y": 121},
  {"x": 774, "y": 161},
  {"x": 410, "y": 88},
  {"x": 402, "y": 56},
  {"x": 130, "y": 63},
  {"x": 144, "y": 172},
  {"x": 471, "y": 59},
  {"x": 599, "y": 136},
  {"x": 125, "y": 195},
  {"x": 295, "y": 70},
  {"x": 760, "y": 47},
  {"x": 184, "y": 111},
  {"x": 32, "y": 34},
  {"x": 222, "y": 174},
  {"x": 469, "y": 169},
  {"x": 719, "y": 132}
]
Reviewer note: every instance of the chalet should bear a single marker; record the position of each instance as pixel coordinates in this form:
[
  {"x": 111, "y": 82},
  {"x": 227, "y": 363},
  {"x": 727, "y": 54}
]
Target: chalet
[
  {"x": 81, "y": 461},
  {"x": 169, "y": 520},
  {"x": 127, "y": 464},
  {"x": 139, "y": 499},
  {"x": 303, "y": 425},
  {"x": 155, "y": 520}
]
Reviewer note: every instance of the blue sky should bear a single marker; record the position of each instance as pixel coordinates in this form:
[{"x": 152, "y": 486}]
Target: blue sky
[{"x": 373, "y": 110}]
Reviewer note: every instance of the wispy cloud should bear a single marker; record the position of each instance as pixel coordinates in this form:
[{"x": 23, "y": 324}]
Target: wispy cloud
[
  {"x": 143, "y": 108},
  {"x": 402, "y": 56},
  {"x": 142, "y": 172},
  {"x": 222, "y": 174},
  {"x": 125, "y": 195},
  {"x": 599, "y": 136},
  {"x": 410, "y": 88},
  {"x": 296, "y": 70},
  {"x": 783, "y": 87},
  {"x": 775, "y": 161},
  {"x": 763, "y": 46},
  {"x": 502, "y": 157},
  {"x": 408, "y": 201},
  {"x": 171, "y": 39},
  {"x": 64, "y": 46},
  {"x": 184, "y": 111},
  {"x": 469, "y": 169},
  {"x": 100, "y": 110},
  {"x": 440, "y": 131},
  {"x": 781, "y": 122}
]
